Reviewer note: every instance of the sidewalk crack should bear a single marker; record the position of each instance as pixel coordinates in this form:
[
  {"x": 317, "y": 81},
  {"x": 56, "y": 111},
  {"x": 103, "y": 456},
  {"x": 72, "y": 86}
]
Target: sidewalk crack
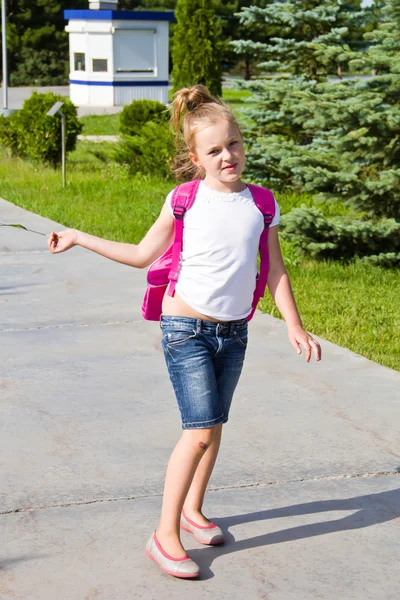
[
  {"x": 68, "y": 326},
  {"x": 8, "y": 252},
  {"x": 214, "y": 489}
]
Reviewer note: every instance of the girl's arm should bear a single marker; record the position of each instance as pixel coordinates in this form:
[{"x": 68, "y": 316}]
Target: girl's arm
[
  {"x": 281, "y": 292},
  {"x": 157, "y": 239}
]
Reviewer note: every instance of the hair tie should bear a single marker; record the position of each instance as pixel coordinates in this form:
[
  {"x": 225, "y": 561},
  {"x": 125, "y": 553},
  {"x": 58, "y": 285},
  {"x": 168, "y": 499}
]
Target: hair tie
[{"x": 192, "y": 105}]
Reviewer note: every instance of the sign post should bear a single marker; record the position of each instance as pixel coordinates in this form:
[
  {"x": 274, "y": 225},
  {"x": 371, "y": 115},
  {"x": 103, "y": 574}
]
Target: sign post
[
  {"x": 5, "y": 110},
  {"x": 51, "y": 113}
]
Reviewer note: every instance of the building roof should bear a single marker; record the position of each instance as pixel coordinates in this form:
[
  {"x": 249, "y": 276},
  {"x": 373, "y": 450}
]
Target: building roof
[{"x": 119, "y": 15}]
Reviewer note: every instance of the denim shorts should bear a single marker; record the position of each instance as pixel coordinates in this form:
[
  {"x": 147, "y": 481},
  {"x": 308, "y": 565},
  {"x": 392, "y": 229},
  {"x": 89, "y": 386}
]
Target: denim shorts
[{"x": 204, "y": 361}]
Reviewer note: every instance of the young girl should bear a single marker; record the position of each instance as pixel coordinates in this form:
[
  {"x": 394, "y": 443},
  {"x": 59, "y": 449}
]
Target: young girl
[{"x": 204, "y": 326}]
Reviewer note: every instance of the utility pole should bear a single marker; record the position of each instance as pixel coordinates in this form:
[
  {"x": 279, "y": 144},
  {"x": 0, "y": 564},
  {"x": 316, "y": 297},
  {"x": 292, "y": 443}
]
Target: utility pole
[{"x": 5, "y": 110}]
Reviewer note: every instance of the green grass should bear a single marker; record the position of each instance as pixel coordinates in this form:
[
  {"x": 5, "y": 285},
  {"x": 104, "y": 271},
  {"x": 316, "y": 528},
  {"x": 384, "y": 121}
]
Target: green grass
[
  {"x": 355, "y": 306},
  {"x": 109, "y": 124},
  {"x": 235, "y": 99},
  {"x": 232, "y": 95},
  {"x": 100, "y": 124},
  {"x": 99, "y": 197},
  {"x": 228, "y": 95}
]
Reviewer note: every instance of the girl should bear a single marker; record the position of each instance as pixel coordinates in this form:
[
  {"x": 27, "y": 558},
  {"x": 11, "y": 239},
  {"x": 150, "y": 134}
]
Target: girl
[{"x": 204, "y": 326}]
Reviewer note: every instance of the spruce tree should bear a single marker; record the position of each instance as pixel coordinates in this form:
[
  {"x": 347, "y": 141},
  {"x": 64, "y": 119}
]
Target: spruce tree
[
  {"x": 196, "y": 51},
  {"x": 339, "y": 140},
  {"x": 310, "y": 36},
  {"x": 306, "y": 44},
  {"x": 233, "y": 29},
  {"x": 355, "y": 154},
  {"x": 37, "y": 42}
]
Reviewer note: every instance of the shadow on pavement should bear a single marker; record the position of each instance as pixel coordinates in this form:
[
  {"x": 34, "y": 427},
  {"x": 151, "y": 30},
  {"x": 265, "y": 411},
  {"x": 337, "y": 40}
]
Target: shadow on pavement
[
  {"x": 5, "y": 564},
  {"x": 370, "y": 510}
]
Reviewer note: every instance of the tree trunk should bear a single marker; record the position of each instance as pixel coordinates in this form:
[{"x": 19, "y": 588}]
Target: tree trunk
[{"x": 247, "y": 68}]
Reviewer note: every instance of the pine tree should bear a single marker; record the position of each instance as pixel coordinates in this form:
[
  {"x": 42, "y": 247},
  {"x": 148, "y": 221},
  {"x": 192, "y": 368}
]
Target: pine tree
[
  {"x": 311, "y": 46},
  {"x": 37, "y": 42},
  {"x": 339, "y": 140},
  {"x": 233, "y": 29},
  {"x": 147, "y": 4},
  {"x": 196, "y": 51},
  {"x": 355, "y": 155},
  {"x": 310, "y": 36}
]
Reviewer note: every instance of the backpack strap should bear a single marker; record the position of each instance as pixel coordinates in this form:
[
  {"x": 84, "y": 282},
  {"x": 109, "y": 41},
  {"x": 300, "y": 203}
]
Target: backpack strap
[
  {"x": 265, "y": 202},
  {"x": 182, "y": 199}
]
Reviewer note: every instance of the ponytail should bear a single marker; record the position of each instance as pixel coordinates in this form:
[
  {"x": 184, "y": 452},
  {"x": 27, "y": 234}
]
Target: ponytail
[{"x": 187, "y": 101}]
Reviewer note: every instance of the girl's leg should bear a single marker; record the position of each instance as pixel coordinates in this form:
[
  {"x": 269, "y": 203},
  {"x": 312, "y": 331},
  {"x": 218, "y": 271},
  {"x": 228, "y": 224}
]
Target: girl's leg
[
  {"x": 227, "y": 368},
  {"x": 195, "y": 496},
  {"x": 185, "y": 458}
]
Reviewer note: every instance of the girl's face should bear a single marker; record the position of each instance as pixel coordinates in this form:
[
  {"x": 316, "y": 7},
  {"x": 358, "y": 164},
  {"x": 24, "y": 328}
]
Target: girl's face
[{"x": 219, "y": 151}]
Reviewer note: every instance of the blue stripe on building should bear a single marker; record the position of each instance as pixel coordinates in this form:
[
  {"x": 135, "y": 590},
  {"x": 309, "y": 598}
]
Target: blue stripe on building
[
  {"x": 119, "y": 15},
  {"x": 121, "y": 83}
]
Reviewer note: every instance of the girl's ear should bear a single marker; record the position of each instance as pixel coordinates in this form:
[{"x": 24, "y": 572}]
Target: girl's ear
[{"x": 195, "y": 159}]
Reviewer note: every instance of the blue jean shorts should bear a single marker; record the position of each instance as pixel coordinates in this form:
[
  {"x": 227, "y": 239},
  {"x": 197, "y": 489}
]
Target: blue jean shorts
[{"x": 204, "y": 362}]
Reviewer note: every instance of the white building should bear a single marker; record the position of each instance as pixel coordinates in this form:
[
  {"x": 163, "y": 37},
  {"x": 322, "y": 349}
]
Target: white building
[{"x": 117, "y": 56}]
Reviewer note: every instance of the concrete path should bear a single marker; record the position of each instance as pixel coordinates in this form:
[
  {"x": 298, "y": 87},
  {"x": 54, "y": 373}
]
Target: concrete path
[
  {"x": 99, "y": 138},
  {"x": 307, "y": 485},
  {"x": 18, "y": 95}
]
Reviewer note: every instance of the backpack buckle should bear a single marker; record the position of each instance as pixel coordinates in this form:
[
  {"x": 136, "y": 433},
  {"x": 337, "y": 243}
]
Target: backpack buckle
[
  {"x": 268, "y": 218},
  {"x": 179, "y": 211}
]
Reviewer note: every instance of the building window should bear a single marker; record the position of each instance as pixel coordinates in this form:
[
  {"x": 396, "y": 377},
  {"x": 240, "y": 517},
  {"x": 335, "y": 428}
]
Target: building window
[
  {"x": 79, "y": 61},
  {"x": 100, "y": 65},
  {"x": 135, "y": 51}
]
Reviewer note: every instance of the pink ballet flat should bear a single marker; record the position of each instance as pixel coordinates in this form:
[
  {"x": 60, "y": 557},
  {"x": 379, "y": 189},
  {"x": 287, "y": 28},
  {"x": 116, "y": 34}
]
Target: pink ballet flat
[
  {"x": 210, "y": 534},
  {"x": 185, "y": 567}
]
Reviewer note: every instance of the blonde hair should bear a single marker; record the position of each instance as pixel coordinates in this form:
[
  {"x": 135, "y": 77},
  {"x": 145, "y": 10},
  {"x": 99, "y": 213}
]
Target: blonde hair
[{"x": 192, "y": 110}]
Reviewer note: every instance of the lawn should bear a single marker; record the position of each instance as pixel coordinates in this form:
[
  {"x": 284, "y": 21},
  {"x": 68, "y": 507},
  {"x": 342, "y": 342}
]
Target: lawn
[
  {"x": 100, "y": 124},
  {"x": 353, "y": 305},
  {"x": 109, "y": 124}
]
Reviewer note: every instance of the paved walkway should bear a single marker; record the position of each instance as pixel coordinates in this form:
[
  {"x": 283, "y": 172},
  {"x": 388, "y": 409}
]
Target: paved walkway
[
  {"x": 99, "y": 138},
  {"x": 18, "y": 95},
  {"x": 306, "y": 486}
]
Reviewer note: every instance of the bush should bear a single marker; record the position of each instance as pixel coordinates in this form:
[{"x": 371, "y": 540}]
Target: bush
[
  {"x": 39, "y": 67},
  {"x": 135, "y": 115},
  {"x": 8, "y": 134},
  {"x": 31, "y": 133},
  {"x": 343, "y": 238},
  {"x": 149, "y": 153}
]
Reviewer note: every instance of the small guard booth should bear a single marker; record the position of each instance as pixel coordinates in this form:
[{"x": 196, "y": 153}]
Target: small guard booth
[{"x": 117, "y": 56}]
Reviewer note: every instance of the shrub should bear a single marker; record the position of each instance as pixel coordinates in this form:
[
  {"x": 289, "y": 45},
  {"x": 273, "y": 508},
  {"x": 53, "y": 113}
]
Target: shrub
[
  {"x": 31, "y": 133},
  {"x": 8, "y": 134},
  {"x": 135, "y": 115},
  {"x": 343, "y": 238},
  {"x": 150, "y": 152}
]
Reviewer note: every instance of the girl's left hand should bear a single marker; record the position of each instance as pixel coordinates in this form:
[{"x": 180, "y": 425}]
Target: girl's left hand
[{"x": 301, "y": 339}]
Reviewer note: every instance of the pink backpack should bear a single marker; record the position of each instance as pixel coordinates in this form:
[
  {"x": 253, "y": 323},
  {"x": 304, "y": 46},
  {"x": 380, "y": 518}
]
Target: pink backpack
[{"x": 164, "y": 271}]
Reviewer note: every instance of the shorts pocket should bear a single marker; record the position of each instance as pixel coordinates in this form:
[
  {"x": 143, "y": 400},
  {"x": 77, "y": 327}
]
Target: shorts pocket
[
  {"x": 175, "y": 338},
  {"x": 242, "y": 337}
]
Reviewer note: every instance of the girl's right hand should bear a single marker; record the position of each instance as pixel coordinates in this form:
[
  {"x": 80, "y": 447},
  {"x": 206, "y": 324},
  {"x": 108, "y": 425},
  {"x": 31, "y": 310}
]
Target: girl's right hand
[{"x": 60, "y": 242}]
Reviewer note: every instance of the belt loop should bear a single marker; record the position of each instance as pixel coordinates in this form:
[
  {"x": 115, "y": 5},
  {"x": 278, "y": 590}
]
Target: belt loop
[{"x": 199, "y": 324}]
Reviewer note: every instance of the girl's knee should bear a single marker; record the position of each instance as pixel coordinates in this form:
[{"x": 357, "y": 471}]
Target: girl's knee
[{"x": 202, "y": 438}]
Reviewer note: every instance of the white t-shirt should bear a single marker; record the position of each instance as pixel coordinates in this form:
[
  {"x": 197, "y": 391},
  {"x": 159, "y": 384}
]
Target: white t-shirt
[{"x": 218, "y": 267}]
